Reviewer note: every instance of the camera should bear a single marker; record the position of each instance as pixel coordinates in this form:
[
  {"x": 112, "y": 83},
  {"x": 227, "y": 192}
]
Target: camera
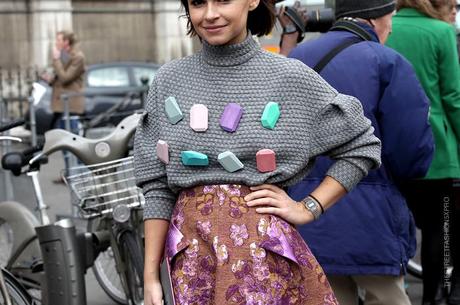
[{"x": 320, "y": 20}]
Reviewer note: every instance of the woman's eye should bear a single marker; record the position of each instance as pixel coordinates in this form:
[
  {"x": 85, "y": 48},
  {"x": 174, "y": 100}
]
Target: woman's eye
[{"x": 196, "y": 2}]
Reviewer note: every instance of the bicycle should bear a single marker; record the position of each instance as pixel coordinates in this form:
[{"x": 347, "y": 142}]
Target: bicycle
[
  {"x": 103, "y": 205},
  {"x": 11, "y": 291},
  {"x": 21, "y": 255}
]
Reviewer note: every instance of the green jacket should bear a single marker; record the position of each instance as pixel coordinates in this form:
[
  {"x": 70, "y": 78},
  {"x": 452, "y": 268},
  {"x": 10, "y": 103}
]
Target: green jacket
[{"x": 430, "y": 45}]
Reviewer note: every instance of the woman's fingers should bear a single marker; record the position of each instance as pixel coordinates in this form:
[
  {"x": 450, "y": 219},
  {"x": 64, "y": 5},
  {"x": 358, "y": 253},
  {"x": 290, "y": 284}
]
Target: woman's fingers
[
  {"x": 264, "y": 201},
  {"x": 261, "y": 193},
  {"x": 270, "y": 210}
]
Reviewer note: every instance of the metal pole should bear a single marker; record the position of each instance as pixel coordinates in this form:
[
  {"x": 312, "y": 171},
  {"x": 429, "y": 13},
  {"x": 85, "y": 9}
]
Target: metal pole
[
  {"x": 33, "y": 121},
  {"x": 65, "y": 99}
]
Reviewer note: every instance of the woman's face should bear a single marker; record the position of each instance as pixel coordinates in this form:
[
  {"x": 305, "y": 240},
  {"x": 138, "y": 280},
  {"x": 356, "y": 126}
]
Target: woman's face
[{"x": 221, "y": 22}]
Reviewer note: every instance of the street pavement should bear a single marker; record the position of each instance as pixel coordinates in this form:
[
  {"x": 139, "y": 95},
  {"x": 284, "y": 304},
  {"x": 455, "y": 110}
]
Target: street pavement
[{"x": 58, "y": 199}]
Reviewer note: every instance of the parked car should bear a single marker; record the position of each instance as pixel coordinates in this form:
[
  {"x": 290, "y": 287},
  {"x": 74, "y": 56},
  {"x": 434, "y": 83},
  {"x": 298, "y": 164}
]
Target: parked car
[{"x": 106, "y": 85}]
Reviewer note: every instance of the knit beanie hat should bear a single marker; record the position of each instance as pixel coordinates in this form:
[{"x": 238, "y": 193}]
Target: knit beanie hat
[{"x": 366, "y": 9}]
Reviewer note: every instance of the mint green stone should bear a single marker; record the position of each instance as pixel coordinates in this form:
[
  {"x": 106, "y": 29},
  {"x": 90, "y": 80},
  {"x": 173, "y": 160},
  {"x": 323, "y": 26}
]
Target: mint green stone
[
  {"x": 229, "y": 161},
  {"x": 193, "y": 158},
  {"x": 172, "y": 110},
  {"x": 270, "y": 115}
]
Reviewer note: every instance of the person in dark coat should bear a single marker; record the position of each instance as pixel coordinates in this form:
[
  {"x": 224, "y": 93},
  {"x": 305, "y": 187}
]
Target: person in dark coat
[{"x": 367, "y": 239}]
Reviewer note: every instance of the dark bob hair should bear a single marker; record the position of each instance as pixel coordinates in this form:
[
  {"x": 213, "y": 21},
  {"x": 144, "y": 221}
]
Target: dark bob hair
[{"x": 260, "y": 21}]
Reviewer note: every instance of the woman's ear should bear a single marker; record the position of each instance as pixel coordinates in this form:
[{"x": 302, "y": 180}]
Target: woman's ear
[{"x": 253, "y": 4}]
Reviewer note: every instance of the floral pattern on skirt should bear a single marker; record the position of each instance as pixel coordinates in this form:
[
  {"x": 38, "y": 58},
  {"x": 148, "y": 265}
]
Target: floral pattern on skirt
[{"x": 222, "y": 252}]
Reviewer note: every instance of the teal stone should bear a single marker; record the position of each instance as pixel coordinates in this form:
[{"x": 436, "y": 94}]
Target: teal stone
[
  {"x": 270, "y": 115},
  {"x": 172, "y": 110},
  {"x": 193, "y": 158},
  {"x": 229, "y": 161}
]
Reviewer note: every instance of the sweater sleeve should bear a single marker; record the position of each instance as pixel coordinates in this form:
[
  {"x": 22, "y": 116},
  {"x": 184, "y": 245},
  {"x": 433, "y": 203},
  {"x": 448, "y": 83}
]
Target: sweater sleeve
[
  {"x": 150, "y": 171},
  {"x": 342, "y": 132}
]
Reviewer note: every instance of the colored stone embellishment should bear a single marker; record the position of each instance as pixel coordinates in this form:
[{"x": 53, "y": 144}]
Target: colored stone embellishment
[
  {"x": 163, "y": 151},
  {"x": 270, "y": 115},
  {"x": 266, "y": 160},
  {"x": 172, "y": 110},
  {"x": 231, "y": 117},
  {"x": 193, "y": 158},
  {"x": 229, "y": 161},
  {"x": 199, "y": 117}
]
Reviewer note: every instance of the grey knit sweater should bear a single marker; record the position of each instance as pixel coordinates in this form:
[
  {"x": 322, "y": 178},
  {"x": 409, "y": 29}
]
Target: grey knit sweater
[{"x": 314, "y": 120}]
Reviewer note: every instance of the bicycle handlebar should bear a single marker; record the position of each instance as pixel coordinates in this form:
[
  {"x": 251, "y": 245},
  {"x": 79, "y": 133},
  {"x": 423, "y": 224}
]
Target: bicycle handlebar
[
  {"x": 12, "y": 125},
  {"x": 91, "y": 151}
]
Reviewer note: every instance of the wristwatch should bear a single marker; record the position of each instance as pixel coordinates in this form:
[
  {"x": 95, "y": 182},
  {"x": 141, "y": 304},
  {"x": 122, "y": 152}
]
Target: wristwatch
[
  {"x": 312, "y": 206},
  {"x": 289, "y": 29}
]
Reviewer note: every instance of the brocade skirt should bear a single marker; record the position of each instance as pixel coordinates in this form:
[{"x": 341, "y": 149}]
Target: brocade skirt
[{"x": 223, "y": 252}]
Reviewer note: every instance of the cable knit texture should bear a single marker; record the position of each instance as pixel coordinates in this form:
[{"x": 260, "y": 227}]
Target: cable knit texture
[{"x": 314, "y": 120}]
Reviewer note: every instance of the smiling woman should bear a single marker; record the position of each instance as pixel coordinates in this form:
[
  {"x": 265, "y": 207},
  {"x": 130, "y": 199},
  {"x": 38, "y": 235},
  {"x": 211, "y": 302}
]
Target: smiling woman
[{"x": 224, "y": 131}]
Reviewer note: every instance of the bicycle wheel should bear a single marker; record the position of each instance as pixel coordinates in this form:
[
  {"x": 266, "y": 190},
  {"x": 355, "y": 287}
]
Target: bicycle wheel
[
  {"x": 6, "y": 241},
  {"x": 16, "y": 291},
  {"x": 134, "y": 266},
  {"x": 105, "y": 270}
]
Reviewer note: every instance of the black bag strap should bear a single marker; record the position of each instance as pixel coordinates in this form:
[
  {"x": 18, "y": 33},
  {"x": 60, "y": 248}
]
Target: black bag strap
[
  {"x": 351, "y": 26},
  {"x": 342, "y": 25},
  {"x": 329, "y": 56}
]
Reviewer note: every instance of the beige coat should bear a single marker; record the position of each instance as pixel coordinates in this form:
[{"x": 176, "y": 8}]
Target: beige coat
[{"x": 69, "y": 79}]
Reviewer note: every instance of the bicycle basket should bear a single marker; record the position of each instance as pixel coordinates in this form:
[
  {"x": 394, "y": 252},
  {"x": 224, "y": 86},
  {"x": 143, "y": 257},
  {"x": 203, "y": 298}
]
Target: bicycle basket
[{"x": 100, "y": 187}]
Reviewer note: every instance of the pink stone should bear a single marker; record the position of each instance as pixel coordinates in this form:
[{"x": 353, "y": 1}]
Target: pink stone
[
  {"x": 163, "y": 151},
  {"x": 199, "y": 117},
  {"x": 266, "y": 160},
  {"x": 231, "y": 117}
]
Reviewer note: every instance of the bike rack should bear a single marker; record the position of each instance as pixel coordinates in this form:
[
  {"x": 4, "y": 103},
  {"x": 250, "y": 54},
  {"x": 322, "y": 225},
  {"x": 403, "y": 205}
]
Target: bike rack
[{"x": 64, "y": 263}]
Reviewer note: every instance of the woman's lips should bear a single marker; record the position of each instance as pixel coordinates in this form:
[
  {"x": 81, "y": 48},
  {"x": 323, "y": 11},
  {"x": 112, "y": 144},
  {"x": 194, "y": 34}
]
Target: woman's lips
[{"x": 213, "y": 29}]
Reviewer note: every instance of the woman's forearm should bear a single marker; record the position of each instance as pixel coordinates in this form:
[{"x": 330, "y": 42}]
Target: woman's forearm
[
  {"x": 329, "y": 192},
  {"x": 155, "y": 237}
]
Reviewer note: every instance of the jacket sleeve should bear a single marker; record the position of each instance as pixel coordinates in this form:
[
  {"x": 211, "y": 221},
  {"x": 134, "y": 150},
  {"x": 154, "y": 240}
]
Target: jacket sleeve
[
  {"x": 449, "y": 82},
  {"x": 150, "y": 171},
  {"x": 342, "y": 132},
  {"x": 408, "y": 144},
  {"x": 74, "y": 70}
]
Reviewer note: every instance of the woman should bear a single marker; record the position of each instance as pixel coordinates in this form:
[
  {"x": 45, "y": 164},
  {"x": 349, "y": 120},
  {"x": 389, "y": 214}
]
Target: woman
[
  {"x": 223, "y": 131},
  {"x": 425, "y": 24}
]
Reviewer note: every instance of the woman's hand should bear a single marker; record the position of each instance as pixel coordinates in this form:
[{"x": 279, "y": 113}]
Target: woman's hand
[
  {"x": 270, "y": 199},
  {"x": 153, "y": 293}
]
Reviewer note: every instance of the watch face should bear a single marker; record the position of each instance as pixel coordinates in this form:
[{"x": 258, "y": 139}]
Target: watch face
[{"x": 311, "y": 205}]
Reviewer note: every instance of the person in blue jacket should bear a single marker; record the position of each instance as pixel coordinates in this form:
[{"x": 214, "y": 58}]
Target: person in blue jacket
[{"x": 367, "y": 239}]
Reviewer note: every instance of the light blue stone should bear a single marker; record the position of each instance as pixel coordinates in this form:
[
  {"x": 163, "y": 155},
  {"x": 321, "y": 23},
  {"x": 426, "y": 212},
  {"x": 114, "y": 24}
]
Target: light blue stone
[
  {"x": 172, "y": 110},
  {"x": 193, "y": 158},
  {"x": 229, "y": 161},
  {"x": 270, "y": 115}
]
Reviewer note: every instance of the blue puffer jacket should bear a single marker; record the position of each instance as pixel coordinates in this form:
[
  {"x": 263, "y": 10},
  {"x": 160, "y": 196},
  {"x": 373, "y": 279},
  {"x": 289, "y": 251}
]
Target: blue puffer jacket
[{"x": 371, "y": 230}]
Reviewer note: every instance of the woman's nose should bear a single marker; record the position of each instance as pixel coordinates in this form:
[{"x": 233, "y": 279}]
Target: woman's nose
[{"x": 211, "y": 10}]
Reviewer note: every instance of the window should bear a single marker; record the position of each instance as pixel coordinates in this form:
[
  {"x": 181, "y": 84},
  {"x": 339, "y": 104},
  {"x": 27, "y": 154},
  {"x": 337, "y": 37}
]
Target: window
[
  {"x": 108, "y": 77},
  {"x": 140, "y": 72}
]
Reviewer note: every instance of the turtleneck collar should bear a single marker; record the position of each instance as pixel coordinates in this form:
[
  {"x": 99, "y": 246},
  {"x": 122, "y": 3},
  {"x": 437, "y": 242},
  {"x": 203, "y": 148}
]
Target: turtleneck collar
[{"x": 230, "y": 55}]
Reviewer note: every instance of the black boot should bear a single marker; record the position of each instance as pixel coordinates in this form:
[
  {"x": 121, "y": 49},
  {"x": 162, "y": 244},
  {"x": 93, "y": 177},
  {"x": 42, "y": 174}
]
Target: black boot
[
  {"x": 439, "y": 297},
  {"x": 454, "y": 296}
]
